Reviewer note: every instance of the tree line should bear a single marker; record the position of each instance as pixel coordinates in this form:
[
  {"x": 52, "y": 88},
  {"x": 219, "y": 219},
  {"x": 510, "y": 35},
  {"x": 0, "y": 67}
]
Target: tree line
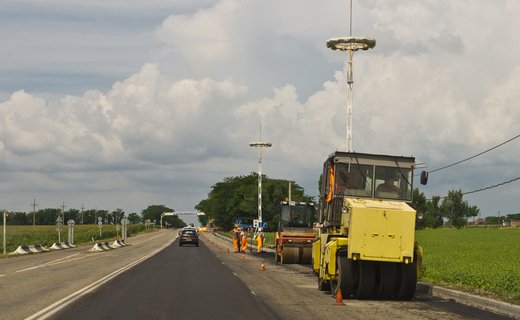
[
  {"x": 236, "y": 198},
  {"x": 49, "y": 216}
]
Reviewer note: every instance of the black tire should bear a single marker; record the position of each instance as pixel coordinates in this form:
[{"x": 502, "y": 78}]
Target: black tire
[
  {"x": 408, "y": 281},
  {"x": 388, "y": 280},
  {"x": 349, "y": 277},
  {"x": 343, "y": 277},
  {"x": 323, "y": 285},
  {"x": 367, "y": 280}
]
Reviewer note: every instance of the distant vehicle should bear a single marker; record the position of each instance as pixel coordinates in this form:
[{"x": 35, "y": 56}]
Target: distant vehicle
[{"x": 189, "y": 235}]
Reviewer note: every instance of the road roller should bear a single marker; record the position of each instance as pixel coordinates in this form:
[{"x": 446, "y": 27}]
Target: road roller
[
  {"x": 366, "y": 247},
  {"x": 295, "y": 234}
]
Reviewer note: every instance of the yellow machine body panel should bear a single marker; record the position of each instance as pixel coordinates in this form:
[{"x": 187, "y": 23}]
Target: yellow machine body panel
[{"x": 380, "y": 230}]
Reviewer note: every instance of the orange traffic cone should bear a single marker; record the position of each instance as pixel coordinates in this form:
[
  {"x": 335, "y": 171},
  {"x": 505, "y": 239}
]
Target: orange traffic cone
[
  {"x": 262, "y": 266},
  {"x": 339, "y": 298}
]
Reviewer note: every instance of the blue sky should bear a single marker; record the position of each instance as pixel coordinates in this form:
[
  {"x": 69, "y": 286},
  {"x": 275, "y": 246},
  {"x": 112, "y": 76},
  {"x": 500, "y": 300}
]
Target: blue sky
[{"x": 122, "y": 104}]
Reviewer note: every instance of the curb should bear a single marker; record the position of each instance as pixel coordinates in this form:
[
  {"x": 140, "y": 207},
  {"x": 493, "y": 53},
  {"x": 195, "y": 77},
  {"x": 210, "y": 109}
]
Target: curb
[
  {"x": 472, "y": 300},
  {"x": 30, "y": 249}
]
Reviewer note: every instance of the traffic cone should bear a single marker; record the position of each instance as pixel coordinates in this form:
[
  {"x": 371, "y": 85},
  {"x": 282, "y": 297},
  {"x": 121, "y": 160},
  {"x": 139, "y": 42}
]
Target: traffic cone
[
  {"x": 339, "y": 298},
  {"x": 262, "y": 266}
]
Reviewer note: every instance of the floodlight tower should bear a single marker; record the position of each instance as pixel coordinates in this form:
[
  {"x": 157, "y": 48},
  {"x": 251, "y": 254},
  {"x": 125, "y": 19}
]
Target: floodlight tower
[
  {"x": 350, "y": 44},
  {"x": 260, "y": 144}
]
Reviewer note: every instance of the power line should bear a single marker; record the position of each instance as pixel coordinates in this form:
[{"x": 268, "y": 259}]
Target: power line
[
  {"x": 478, "y": 154},
  {"x": 491, "y": 187},
  {"x": 486, "y": 188}
]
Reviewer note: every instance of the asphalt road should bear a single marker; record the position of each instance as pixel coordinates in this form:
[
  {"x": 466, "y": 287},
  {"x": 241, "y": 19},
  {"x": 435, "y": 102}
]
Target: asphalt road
[
  {"x": 154, "y": 278},
  {"x": 185, "y": 282}
]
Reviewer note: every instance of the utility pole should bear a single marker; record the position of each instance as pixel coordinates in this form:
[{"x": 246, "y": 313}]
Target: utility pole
[
  {"x": 63, "y": 210},
  {"x": 82, "y": 208},
  {"x": 34, "y": 205}
]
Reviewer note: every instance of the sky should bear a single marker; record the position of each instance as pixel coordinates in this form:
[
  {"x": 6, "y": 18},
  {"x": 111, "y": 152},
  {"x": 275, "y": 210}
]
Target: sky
[{"x": 123, "y": 104}]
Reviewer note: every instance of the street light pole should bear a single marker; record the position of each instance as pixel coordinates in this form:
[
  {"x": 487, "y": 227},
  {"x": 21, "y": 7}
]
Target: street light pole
[
  {"x": 260, "y": 145},
  {"x": 350, "y": 44}
]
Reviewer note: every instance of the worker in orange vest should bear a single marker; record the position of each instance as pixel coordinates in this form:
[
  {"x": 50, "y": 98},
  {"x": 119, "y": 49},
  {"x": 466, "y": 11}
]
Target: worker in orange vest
[
  {"x": 236, "y": 233},
  {"x": 259, "y": 240},
  {"x": 243, "y": 236}
]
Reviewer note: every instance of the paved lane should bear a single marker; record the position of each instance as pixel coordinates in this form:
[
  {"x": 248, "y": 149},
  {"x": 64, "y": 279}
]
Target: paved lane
[{"x": 177, "y": 282}]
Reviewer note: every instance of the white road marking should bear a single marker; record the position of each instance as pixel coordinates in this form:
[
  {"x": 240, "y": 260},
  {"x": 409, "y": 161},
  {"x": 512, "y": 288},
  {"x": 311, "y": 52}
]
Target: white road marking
[
  {"x": 60, "y": 304},
  {"x": 51, "y": 263}
]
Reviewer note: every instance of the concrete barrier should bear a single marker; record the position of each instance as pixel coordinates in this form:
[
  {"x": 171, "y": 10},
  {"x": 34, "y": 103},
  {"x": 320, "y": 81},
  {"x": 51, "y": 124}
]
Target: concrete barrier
[
  {"x": 104, "y": 246},
  {"x": 118, "y": 244},
  {"x": 30, "y": 249},
  {"x": 100, "y": 246},
  {"x": 62, "y": 245}
]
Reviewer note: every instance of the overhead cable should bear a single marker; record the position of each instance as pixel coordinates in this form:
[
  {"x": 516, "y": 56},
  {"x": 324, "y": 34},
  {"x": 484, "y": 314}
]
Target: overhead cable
[{"x": 478, "y": 154}]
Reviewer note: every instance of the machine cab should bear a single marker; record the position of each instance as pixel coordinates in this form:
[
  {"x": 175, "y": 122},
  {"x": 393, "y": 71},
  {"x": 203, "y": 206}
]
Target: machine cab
[
  {"x": 361, "y": 175},
  {"x": 296, "y": 215}
]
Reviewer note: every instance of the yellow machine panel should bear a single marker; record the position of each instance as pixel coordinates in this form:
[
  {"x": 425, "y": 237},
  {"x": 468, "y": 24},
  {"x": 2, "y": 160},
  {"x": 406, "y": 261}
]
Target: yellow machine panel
[{"x": 380, "y": 230}]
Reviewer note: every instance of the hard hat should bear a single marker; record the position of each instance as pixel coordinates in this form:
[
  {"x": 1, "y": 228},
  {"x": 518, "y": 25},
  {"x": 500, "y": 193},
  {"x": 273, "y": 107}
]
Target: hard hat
[{"x": 259, "y": 229}]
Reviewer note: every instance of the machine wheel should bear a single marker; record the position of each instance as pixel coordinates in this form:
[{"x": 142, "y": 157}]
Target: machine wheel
[
  {"x": 306, "y": 257},
  {"x": 289, "y": 255},
  {"x": 388, "y": 280},
  {"x": 323, "y": 285},
  {"x": 367, "y": 280},
  {"x": 346, "y": 279},
  {"x": 408, "y": 273}
]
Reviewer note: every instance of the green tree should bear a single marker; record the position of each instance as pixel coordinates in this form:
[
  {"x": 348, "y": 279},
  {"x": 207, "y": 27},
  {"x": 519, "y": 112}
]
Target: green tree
[
  {"x": 18, "y": 218},
  {"x": 154, "y": 212},
  {"x": 116, "y": 216},
  {"x": 237, "y": 198},
  {"x": 47, "y": 216},
  {"x": 456, "y": 209},
  {"x": 134, "y": 218}
]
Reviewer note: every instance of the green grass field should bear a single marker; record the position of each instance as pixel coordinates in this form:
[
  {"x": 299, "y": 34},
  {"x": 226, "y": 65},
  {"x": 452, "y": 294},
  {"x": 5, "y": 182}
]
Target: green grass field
[
  {"x": 47, "y": 235},
  {"x": 485, "y": 261}
]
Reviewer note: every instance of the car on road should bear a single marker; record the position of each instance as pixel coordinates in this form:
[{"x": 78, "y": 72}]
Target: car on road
[{"x": 190, "y": 236}]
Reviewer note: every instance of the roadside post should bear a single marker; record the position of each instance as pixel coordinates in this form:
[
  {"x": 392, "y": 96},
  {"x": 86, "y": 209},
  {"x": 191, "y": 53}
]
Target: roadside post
[
  {"x": 5, "y": 217},
  {"x": 124, "y": 226},
  {"x": 70, "y": 223},
  {"x": 100, "y": 223},
  {"x": 59, "y": 223}
]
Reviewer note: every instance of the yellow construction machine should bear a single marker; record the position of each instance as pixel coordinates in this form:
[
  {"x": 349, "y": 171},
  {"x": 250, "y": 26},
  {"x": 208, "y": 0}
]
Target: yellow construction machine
[
  {"x": 366, "y": 247},
  {"x": 295, "y": 235}
]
